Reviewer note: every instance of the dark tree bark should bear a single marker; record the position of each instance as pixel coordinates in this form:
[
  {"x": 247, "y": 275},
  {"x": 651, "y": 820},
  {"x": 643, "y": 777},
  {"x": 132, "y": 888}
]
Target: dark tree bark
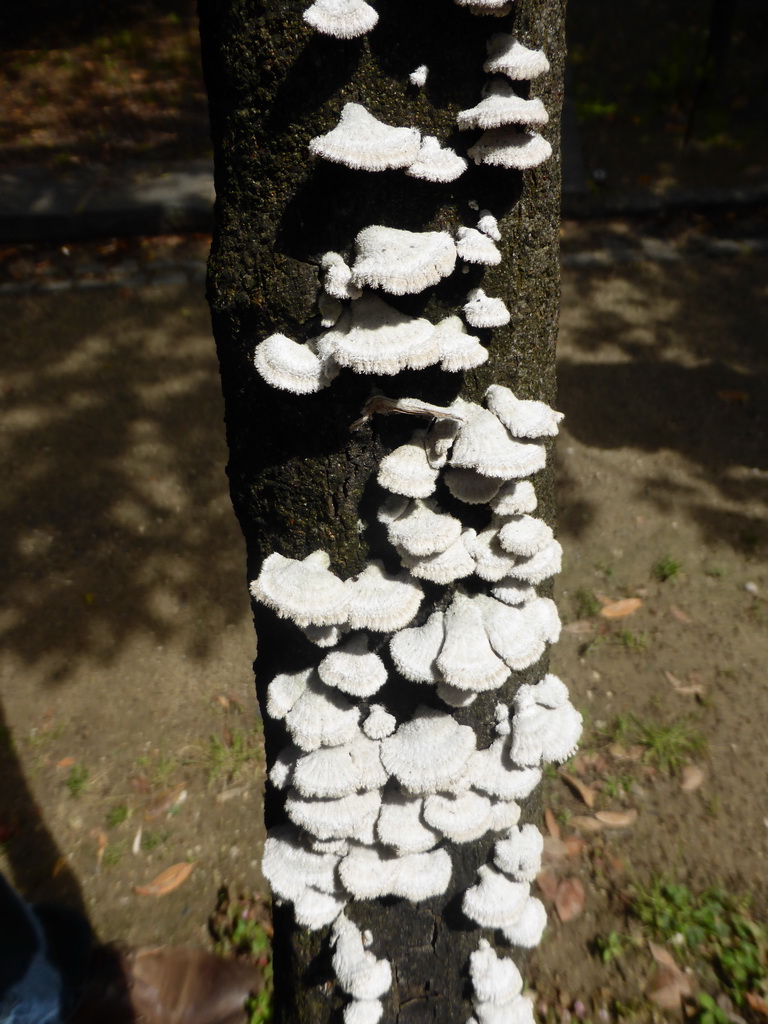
[{"x": 299, "y": 479}]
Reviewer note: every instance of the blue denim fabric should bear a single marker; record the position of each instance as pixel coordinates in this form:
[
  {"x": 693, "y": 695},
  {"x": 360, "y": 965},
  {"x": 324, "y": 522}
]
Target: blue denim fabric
[{"x": 43, "y": 958}]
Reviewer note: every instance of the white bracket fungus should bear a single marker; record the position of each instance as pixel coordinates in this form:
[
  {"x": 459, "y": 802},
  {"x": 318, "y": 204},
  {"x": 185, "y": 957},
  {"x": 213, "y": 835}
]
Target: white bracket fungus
[
  {"x": 522, "y": 417},
  {"x": 539, "y": 567},
  {"x": 458, "y": 350},
  {"x": 529, "y": 927},
  {"x": 353, "y": 668},
  {"x": 492, "y": 772},
  {"x": 321, "y": 717},
  {"x": 466, "y": 660},
  {"x": 337, "y": 277},
  {"x": 482, "y": 310},
  {"x": 424, "y": 530},
  {"x": 504, "y": 814},
  {"x": 364, "y": 143},
  {"x": 506, "y": 147},
  {"x": 359, "y": 973},
  {"x": 475, "y": 247},
  {"x": 289, "y": 366},
  {"x": 375, "y": 338},
  {"x": 418, "y": 76},
  {"x": 506, "y": 56},
  {"x": 514, "y": 592},
  {"x": 524, "y": 535},
  {"x": 502, "y": 106},
  {"x": 407, "y": 470},
  {"x": 545, "y": 725},
  {"x": 415, "y": 650},
  {"x": 344, "y": 19},
  {"x": 338, "y": 771},
  {"x": 496, "y": 901},
  {"x": 363, "y": 1011},
  {"x": 401, "y": 826},
  {"x": 488, "y": 224},
  {"x": 402, "y": 262},
  {"x": 494, "y": 979},
  {"x": 305, "y": 591},
  {"x": 462, "y": 818},
  {"x": 284, "y": 690},
  {"x": 436, "y": 162},
  {"x": 369, "y": 873},
  {"x": 471, "y": 487},
  {"x": 381, "y": 602},
  {"x": 348, "y": 817},
  {"x": 454, "y": 563},
  {"x": 514, "y": 498},
  {"x": 290, "y": 868},
  {"x": 430, "y": 753},
  {"x": 379, "y": 723},
  {"x": 519, "y": 855},
  {"x": 484, "y": 445}
]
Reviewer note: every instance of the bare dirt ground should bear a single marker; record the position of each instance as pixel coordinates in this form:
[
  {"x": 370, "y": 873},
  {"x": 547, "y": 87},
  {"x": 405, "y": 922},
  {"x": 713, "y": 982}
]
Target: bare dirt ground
[{"x": 130, "y": 741}]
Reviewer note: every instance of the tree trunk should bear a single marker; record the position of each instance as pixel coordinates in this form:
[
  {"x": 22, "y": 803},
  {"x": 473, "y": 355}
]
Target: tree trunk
[{"x": 300, "y": 480}]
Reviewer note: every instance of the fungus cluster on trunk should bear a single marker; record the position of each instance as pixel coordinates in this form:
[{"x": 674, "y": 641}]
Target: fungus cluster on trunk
[{"x": 376, "y": 800}]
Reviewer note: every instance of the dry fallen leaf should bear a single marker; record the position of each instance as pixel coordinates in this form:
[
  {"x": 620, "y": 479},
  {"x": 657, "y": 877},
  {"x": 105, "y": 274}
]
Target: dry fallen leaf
[
  {"x": 616, "y": 819},
  {"x": 580, "y": 627},
  {"x": 668, "y": 986},
  {"x": 575, "y": 846},
  {"x": 101, "y": 845},
  {"x": 554, "y": 852},
  {"x": 662, "y": 955},
  {"x": 165, "y": 802},
  {"x": 692, "y": 778},
  {"x": 65, "y": 762},
  {"x": 621, "y": 609},
  {"x": 693, "y": 690},
  {"x": 585, "y": 823},
  {"x": 757, "y": 1003},
  {"x": 679, "y": 614},
  {"x": 581, "y": 789},
  {"x": 547, "y": 883},
  {"x": 569, "y": 899},
  {"x": 166, "y": 881},
  {"x": 551, "y": 822}
]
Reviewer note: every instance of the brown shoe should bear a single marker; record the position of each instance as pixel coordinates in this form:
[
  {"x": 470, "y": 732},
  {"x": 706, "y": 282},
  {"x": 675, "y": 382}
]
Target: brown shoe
[{"x": 166, "y": 985}]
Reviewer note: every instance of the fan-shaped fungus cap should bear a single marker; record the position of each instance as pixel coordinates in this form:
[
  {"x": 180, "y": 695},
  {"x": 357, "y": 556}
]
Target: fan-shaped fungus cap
[
  {"x": 506, "y": 56},
  {"x": 281, "y": 772},
  {"x": 364, "y": 143},
  {"x": 452, "y": 564},
  {"x": 359, "y": 973},
  {"x": 324, "y": 636},
  {"x": 304, "y": 591},
  {"x": 482, "y": 310},
  {"x": 430, "y": 753},
  {"x": 513, "y": 592},
  {"x": 518, "y": 1010},
  {"x": 353, "y": 668},
  {"x": 406, "y": 470},
  {"x": 439, "y": 441},
  {"x": 454, "y": 697},
  {"x": 379, "y": 723},
  {"x": 400, "y": 824},
  {"x": 345, "y": 817},
  {"x": 495, "y": 901},
  {"x": 284, "y": 690},
  {"x": 519, "y": 855},
  {"x": 502, "y": 106},
  {"x": 514, "y": 498},
  {"x": 402, "y": 262},
  {"x": 522, "y": 417},
  {"x": 492, "y": 562},
  {"x": 414, "y": 651},
  {"x": 505, "y": 147},
  {"x": 524, "y": 535},
  {"x": 471, "y": 487},
  {"x": 424, "y": 530},
  {"x": 338, "y": 771},
  {"x": 475, "y": 247},
  {"x": 485, "y": 446},
  {"x": 418, "y": 76},
  {"x": 370, "y": 873},
  {"x": 381, "y": 602},
  {"x": 316, "y": 910},
  {"x": 363, "y": 1011},
  {"x": 458, "y": 350},
  {"x": 541, "y": 732},
  {"x": 492, "y": 772},
  {"x": 290, "y": 868},
  {"x": 375, "y": 338},
  {"x": 337, "y": 277},
  {"x": 504, "y": 814},
  {"x": 466, "y": 659},
  {"x": 517, "y": 635},
  {"x": 498, "y": 8},
  {"x": 344, "y": 19},
  {"x": 321, "y": 717},
  {"x": 539, "y": 567},
  {"x": 529, "y": 927},
  {"x": 287, "y": 365},
  {"x": 488, "y": 224},
  {"x": 495, "y": 979},
  {"x": 462, "y": 818},
  {"x": 436, "y": 162}
]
